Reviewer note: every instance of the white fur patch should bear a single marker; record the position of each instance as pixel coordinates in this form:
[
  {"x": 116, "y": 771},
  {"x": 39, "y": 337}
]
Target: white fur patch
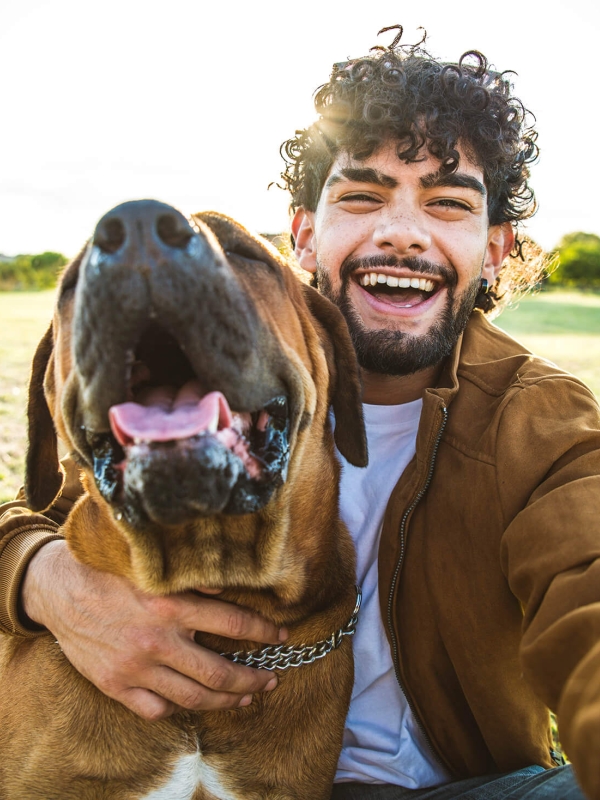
[{"x": 190, "y": 772}]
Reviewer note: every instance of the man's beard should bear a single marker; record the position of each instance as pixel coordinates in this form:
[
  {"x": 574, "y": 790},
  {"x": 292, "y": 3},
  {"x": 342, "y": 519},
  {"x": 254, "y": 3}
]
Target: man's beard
[{"x": 390, "y": 352}]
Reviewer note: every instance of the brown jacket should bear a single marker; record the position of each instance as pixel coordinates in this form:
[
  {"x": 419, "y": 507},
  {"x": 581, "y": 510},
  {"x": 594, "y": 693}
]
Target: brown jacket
[{"x": 489, "y": 562}]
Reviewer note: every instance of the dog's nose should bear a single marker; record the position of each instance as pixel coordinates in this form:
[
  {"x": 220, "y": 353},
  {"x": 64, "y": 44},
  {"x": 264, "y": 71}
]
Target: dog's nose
[{"x": 136, "y": 221}]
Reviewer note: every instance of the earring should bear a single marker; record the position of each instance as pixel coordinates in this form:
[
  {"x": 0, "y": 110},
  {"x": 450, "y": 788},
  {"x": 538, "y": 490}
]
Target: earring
[{"x": 484, "y": 286}]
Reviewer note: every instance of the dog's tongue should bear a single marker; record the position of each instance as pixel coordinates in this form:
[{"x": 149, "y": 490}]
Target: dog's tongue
[{"x": 165, "y": 413}]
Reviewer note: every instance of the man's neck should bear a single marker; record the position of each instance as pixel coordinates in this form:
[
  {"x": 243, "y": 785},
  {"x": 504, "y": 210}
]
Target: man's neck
[{"x": 388, "y": 390}]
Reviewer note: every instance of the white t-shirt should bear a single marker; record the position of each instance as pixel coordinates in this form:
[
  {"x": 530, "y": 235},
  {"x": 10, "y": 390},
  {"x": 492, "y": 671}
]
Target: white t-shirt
[{"x": 382, "y": 742}]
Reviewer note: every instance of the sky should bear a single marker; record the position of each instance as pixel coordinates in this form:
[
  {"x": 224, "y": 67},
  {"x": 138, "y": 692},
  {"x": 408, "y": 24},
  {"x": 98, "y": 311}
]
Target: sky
[{"x": 188, "y": 101}]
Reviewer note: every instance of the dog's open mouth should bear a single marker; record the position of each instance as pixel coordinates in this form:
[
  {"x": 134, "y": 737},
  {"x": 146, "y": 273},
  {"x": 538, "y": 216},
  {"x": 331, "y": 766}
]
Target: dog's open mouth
[
  {"x": 401, "y": 291},
  {"x": 167, "y": 414},
  {"x": 180, "y": 451}
]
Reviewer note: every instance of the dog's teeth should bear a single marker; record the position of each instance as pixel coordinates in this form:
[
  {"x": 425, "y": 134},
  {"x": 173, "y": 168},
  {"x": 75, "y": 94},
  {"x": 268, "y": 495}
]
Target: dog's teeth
[
  {"x": 404, "y": 283},
  {"x": 392, "y": 281},
  {"x": 118, "y": 515}
]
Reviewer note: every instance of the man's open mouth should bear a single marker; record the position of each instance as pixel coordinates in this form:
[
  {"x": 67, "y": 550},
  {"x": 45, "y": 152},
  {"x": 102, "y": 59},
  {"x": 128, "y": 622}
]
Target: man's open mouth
[
  {"x": 402, "y": 291},
  {"x": 172, "y": 434}
]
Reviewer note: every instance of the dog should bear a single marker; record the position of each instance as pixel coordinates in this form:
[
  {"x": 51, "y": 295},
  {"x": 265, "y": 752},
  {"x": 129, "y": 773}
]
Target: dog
[{"x": 190, "y": 374}]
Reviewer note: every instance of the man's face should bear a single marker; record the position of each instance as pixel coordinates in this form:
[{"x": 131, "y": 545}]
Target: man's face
[{"x": 401, "y": 249}]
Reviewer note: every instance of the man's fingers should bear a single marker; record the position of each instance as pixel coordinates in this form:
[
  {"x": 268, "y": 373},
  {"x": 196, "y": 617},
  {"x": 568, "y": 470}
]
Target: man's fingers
[
  {"x": 146, "y": 704},
  {"x": 216, "y": 616},
  {"x": 184, "y": 693},
  {"x": 171, "y": 692},
  {"x": 239, "y": 623},
  {"x": 212, "y": 672}
]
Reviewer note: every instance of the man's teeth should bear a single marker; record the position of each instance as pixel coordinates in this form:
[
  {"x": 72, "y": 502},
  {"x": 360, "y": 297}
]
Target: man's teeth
[{"x": 373, "y": 278}]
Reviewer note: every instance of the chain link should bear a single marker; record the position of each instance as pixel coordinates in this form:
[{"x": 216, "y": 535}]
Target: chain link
[{"x": 282, "y": 657}]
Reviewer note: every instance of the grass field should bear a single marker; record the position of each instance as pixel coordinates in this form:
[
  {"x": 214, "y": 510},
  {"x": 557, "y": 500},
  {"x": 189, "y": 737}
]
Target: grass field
[
  {"x": 25, "y": 316},
  {"x": 564, "y": 327}
]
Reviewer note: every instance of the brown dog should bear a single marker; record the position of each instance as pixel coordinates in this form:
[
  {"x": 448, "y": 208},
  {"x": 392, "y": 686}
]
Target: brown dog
[{"x": 190, "y": 374}]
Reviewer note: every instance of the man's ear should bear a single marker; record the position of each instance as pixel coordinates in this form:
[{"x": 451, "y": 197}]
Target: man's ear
[
  {"x": 303, "y": 229},
  {"x": 501, "y": 240}
]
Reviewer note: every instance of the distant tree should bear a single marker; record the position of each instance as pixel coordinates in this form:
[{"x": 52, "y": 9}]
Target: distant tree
[
  {"x": 27, "y": 272},
  {"x": 46, "y": 268},
  {"x": 578, "y": 261}
]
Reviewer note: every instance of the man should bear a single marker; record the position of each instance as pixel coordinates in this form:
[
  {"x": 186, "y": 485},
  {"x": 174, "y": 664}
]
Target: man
[{"x": 476, "y": 524}]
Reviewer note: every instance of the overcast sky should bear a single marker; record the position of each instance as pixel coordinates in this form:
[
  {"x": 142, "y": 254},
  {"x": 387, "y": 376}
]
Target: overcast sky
[{"x": 188, "y": 101}]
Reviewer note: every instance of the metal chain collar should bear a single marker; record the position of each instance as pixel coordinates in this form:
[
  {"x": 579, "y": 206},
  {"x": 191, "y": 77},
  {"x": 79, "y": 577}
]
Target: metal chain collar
[{"x": 282, "y": 657}]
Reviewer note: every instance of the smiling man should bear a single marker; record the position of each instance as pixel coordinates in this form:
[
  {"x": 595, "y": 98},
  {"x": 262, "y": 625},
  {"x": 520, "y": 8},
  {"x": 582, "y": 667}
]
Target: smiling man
[
  {"x": 402, "y": 249},
  {"x": 477, "y": 522},
  {"x": 478, "y": 583}
]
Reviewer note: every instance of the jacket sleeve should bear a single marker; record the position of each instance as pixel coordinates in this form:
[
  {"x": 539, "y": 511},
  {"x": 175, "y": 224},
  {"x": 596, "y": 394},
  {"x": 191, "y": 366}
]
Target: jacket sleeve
[
  {"x": 548, "y": 471},
  {"x": 22, "y": 534}
]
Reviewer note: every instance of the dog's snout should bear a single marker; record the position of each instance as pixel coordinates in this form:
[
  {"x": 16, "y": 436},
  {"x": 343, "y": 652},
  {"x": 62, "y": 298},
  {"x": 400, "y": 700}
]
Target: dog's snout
[
  {"x": 140, "y": 222},
  {"x": 173, "y": 230},
  {"x": 150, "y": 269},
  {"x": 110, "y": 235}
]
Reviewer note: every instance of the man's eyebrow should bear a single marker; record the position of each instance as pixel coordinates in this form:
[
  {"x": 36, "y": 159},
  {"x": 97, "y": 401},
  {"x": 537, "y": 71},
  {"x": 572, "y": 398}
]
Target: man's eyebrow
[
  {"x": 451, "y": 179},
  {"x": 362, "y": 175}
]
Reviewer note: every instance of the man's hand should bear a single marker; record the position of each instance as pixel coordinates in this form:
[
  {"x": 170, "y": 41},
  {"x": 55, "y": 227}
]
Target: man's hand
[{"x": 140, "y": 649}]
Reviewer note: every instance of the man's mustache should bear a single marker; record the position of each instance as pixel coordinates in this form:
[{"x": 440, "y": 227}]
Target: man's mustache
[{"x": 414, "y": 264}]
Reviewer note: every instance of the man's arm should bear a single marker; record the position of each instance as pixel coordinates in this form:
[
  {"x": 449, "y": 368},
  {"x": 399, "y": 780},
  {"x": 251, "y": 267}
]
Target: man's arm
[
  {"x": 550, "y": 439},
  {"x": 136, "y": 648},
  {"x": 22, "y": 534}
]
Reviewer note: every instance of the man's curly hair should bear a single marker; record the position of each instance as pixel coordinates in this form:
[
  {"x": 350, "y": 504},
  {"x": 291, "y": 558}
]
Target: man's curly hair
[{"x": 401, "y": 93}]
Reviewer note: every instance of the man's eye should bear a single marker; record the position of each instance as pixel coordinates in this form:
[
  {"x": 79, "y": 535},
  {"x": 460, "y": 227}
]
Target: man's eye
[
  {"x": 358, "y": 198},
  {"x": 448, "y": 202}
]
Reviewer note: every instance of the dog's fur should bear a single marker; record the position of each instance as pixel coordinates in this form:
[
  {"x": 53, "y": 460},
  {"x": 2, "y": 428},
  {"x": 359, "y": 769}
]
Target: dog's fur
[{"x": 291, "y": 560}]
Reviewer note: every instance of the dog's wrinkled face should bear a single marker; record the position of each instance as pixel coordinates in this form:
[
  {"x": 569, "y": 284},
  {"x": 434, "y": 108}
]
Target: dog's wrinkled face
[
  {"x": 178, "y": 396},
  {"x": 190, "y": 374}
]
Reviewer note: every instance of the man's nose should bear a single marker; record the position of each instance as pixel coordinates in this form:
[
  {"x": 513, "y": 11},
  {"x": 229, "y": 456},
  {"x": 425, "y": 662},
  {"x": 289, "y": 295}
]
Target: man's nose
[{"x": 403, "y": 232}]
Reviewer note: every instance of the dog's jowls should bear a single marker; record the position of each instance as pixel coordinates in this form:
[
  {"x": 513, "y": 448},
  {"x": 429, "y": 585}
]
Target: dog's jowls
[{"x": 190, "y": 375}]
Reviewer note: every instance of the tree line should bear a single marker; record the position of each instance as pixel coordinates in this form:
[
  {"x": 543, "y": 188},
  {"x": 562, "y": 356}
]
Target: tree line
[
  {"x": 30, "y": 272},
  {"x": 577, "y": 257}
]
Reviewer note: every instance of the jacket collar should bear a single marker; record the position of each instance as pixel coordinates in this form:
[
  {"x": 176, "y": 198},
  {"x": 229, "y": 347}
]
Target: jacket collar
[{"x": 447, "y": 386}]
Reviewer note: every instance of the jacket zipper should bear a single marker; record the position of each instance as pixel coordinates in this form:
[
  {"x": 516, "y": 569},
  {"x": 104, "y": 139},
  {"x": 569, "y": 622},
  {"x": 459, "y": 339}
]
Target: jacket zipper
[{"x": 407, "y": 513}]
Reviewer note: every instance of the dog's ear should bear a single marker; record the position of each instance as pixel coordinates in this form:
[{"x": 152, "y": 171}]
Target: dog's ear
[
  {"x": 346, "y": 391},
  {"x": 43, "y": 475}
]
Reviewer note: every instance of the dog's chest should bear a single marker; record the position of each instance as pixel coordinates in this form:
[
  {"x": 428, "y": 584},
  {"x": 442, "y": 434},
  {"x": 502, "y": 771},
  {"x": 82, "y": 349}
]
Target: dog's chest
[{"x": 189, "y": 774}]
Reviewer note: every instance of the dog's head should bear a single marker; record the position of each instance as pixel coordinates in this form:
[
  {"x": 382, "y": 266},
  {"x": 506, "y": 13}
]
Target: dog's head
[{"x": 184, "y": 367}]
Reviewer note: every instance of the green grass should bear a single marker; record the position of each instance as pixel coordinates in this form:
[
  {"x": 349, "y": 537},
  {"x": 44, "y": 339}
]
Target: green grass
[
  {"x": 563, "y": 327},
  {"x": 25, "y": 316}
]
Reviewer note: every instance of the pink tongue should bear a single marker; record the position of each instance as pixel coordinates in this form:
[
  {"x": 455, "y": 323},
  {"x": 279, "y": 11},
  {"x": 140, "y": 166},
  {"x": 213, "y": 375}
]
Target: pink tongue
[{"x": 166, "y": 413}]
